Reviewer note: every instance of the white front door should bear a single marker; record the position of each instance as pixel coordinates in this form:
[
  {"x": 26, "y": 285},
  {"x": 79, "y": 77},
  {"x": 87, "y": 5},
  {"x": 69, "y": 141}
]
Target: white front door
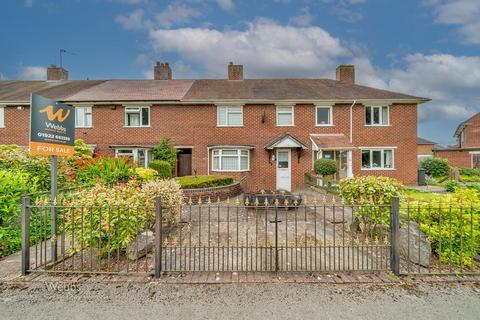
[{"x": 284, "y": 170}]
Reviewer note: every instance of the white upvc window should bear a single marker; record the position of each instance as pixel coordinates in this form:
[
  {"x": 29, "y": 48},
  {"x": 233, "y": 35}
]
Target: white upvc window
[
  {"x": 323, "y": 116},
  {"x": 230, "y": 116},
  {"x": 137, "y": 117},
  {"x": 230, "y": 160},
  {"x": 378, "y": 159},
  {"x": 377, "y": 116},
  {"x": 83, "y": 117},
  {"x": 285, "y": 116},
  {"x": 2, "y": 117}
]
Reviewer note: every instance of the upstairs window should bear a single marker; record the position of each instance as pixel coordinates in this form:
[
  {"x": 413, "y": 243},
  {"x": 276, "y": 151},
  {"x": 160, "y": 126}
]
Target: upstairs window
[
  {"x": 376, "y": 115},
  {"x": 83, "y": 117},
  {"x": 231, "y": 116},
  {"x": 324, "y": 116},
  {"x": 137, "y": 116},
  {"x": 2, "y": 117},
  {"x": 377, "y": 159},
  {"x": 229, "y": 160},
  {"x": 284, "y": 116}
]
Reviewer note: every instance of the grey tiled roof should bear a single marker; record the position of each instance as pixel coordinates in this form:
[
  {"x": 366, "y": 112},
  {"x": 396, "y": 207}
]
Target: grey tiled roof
[
  {"x": 424, "y": 141},
  {"x": 195, "y": 90}
]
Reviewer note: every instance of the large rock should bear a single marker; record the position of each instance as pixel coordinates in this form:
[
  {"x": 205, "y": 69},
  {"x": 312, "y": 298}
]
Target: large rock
[
  {"x": 417, "y": 241},
  {"x": 141, "y": 245}
]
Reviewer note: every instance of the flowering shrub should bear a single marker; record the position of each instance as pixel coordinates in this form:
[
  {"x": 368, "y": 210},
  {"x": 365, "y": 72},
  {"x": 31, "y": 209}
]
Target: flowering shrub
[
  {"x": 113, "y": 216},
  {"x": 452, "y": 223},
  {"x": 104, "y": 169}
]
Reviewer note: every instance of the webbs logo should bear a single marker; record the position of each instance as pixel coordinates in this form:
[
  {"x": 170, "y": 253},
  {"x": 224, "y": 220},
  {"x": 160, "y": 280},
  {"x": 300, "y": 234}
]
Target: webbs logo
[{"x": 57, "y": 115}]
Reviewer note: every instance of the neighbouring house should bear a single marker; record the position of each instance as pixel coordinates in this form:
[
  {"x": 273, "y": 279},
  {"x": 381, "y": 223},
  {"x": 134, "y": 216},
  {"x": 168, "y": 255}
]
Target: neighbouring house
[
  {"x": 424, "y": 149},
  {"x": 266, "y": 132},
  {"x": 466, "y": 153}
]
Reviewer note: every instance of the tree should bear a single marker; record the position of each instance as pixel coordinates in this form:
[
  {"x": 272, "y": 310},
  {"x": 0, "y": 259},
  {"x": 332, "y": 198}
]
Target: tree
[{"x": 164, "y": 151}]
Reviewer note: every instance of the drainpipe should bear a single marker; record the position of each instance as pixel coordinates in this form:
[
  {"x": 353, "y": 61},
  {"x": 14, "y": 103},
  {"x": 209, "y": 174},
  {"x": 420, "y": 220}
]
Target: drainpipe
[
  {"x": 208, "y": 161},
  {"x": 351, "y": 120}
]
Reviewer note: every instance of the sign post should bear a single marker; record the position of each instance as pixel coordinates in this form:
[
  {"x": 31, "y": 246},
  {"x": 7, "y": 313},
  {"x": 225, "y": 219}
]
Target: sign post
[{"x": 52, "y": 133}]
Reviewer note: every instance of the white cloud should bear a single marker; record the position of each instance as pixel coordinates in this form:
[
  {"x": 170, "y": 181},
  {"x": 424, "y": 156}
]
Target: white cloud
[
  {"x": 303, "y": 19},
  {"x": 226, "y": 5},
  {"x": 265, "y": 47},
  {"x": 176, "y": 13},
  {"x": 461, "y": 13},
  {"x": 2, "y": 76},
  {"x": 129, "y": 1},
  {"x": 28, "y": 3},
  {"x": 32, "y": 73},
  {"x": 345, "y": 10},
  {"x": 132, "y": 21}
]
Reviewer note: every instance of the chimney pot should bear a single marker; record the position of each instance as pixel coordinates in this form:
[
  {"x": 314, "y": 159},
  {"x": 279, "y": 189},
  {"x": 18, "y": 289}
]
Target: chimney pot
[
  {"x": 235, "y": 71},
  {"x": 346, "y": 73},
  {"x": 162, "y": 71},
  {"x": 55, "y": 73}
]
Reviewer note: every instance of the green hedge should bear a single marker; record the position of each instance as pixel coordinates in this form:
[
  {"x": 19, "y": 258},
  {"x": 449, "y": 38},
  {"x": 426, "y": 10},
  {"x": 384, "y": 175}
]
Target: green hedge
[
  {"x": 325, "y": 167},
  {"x": 436, "y": 167},
  {"x": 196, "y": 182},
  {"x": 163, "y": 168}
]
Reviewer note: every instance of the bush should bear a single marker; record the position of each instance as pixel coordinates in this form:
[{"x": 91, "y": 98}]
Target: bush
[
  {"x": 82, "y": 150},
  {"x": 105, "y": 169},
  {"x": 325, "y": 167},
  {"x": 469, "y": 172},
  {"x": 460, "y": 224},
  {"x": 436, "y": 167},
  {"x": 370, "y": 195},
  {"x": 451, "y": 185},
  {"x": 119, "y": 226},
  {"x": 13, "y": 184},
  {"x": 164, "y": 151},
  {"x": 163, "y": 168},
  {"x": 196, "y": 182},
  {"x": 146, "y": 174}
]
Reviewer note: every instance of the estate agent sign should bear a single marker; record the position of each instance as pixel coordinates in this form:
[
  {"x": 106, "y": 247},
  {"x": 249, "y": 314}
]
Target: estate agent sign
[{"x": 52, "y": 127}]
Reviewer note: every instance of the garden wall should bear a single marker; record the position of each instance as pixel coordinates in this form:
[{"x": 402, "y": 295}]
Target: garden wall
[{"x": 213, "y": 193}]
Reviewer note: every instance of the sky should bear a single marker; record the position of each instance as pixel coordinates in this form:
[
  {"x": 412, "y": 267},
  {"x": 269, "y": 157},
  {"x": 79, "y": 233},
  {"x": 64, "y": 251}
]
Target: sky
[{"x": 428, "y": 48}]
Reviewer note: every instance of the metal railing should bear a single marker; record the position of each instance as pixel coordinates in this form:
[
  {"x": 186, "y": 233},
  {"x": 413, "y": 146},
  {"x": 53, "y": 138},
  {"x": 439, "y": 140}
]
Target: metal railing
[{"x": 311, "y": 236}]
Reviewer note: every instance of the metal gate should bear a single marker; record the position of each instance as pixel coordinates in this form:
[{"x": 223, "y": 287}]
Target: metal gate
[{"x": 287, "y": 237}]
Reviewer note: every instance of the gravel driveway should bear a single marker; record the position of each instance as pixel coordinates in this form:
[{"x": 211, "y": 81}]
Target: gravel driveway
[{"x": 241, "y": 301}]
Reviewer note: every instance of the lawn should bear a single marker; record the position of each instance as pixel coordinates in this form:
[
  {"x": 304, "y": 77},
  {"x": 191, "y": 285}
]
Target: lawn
[{"x": 416, "y": 195}]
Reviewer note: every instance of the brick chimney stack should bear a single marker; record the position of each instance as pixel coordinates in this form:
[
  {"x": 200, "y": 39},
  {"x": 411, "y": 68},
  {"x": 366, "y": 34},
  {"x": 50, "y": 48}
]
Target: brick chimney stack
[
  {"x": 162, "y": 71},
  {"x": 346, "y": 73},
  {"x": 55, "y": 73},
  {"x": 235, "y": 71}
]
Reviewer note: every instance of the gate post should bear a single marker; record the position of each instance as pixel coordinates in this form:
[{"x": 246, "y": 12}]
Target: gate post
[
  {"x": 25, "y": 234},
  {"x": 158, "y": 237},
  {"x": 395, "y": 235}
]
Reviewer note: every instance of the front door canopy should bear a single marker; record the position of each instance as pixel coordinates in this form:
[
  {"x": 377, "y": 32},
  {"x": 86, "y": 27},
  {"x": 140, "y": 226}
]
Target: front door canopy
[{"x": 286, "y": 141}]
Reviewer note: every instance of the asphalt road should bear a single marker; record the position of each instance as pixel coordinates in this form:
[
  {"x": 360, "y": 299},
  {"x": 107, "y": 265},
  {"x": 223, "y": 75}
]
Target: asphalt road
[{"x": 239, "y": 301}]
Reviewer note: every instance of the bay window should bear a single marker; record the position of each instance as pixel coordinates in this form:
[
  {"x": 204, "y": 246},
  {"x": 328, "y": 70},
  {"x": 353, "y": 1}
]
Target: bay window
[
  {"x": 230, "y": 160},
  {"x": 377, "y": 159}
]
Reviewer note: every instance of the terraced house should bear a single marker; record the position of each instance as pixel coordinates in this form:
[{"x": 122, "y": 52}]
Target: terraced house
[{"x": 266, "y": 132}]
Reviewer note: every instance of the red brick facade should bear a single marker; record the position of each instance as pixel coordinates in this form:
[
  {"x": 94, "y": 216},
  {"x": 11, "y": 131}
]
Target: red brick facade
[
  {"x": 195, "y": 126},
  {"x": 456, "y": 158}
]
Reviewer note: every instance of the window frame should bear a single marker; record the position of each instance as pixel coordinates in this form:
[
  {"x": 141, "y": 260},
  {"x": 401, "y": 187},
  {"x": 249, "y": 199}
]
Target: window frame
[
  {"x": 381, "y": 124},
  {"x": 133, "y": 153},
  {"x": 2, "y": 117},
  {"x": 140, "y": 113},
  {"x": 330, "y": 116},
  {"x": 84, "y": 113},
  {"x": 227, "y": 112},
  {"x": 382, "y": 159},
  {"x": 239, "y": 159},
  {"x": 292, "y": 112}
]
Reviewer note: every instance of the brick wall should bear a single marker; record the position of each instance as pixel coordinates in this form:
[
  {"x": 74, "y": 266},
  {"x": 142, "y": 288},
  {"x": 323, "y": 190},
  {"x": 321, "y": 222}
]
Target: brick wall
[
  {"x": 195, "y": 126},
  {"x": 425, "y": 149},
  {"x": 456, "y": 158},
  {"x": 472, "y": 133}
]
